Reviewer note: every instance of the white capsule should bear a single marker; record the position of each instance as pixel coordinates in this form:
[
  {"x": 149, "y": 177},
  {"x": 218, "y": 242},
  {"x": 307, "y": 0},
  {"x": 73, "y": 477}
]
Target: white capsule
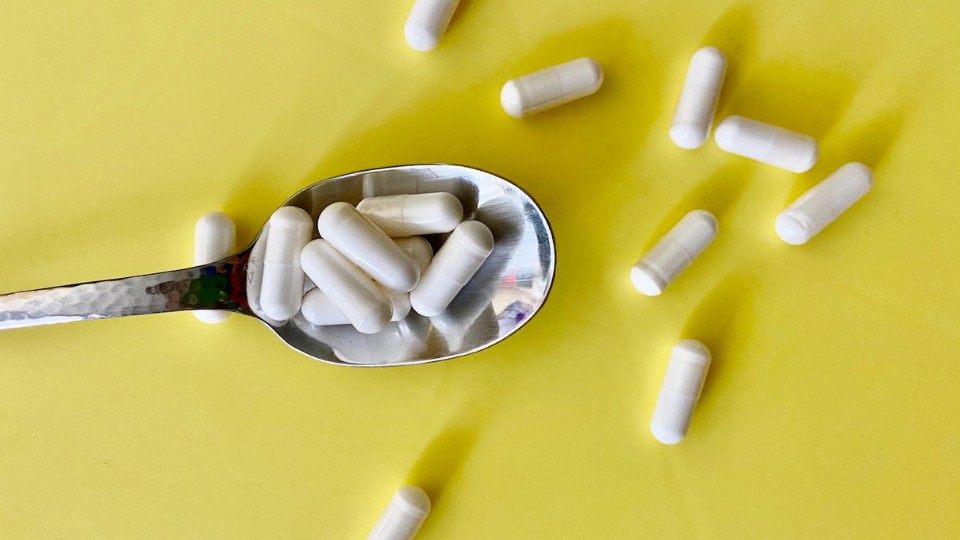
[
  {"x": 282, "y": 287},
  {"x": 404, "y": 515},
  {"x": 359, "y": 299},
  {"x": 418, "y": 249},
  {"x": 410, "y": 215},
  {"x": 428, "y": 21},
  {"x": 767, "y": 144},
  {"x": 454, "y": 264},
  {"x": 255, "y": 276},
  {"x": 366, "y": 246},
  {"x": 551, "y": 87},
  {"x": 215, "y": 237},
  {"x": 320, "y": 310},
  {"x": 680, "y": 391},
  {"x": 823, "y": 203},
  {"x": 674, "y": 252},
  {"x": 698, "y": 100}
]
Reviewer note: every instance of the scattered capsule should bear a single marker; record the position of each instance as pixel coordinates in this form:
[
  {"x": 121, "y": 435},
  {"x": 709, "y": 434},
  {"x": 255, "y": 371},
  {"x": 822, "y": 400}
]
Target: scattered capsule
[
  {"x": 362, "y": 302},
  {"x": 215, "y": 237},
  {"x": 698, "y": 100},
  {"x": 319, "y": 309},
  {"x": 282, "y": 287},
  {"x": 823, "y": 203},
  {"x": 674, "y": 252},
  {"x": 411, "y": 215},
  {"x": 680, "y": 391},
  {"x": 551, "y": 87},
  {"x": 418, "y": 249},
  {"x": 428, "y": 21},
  {"x": 368, "y": 247},
  {"x": 455, "y": 263},
  {"x": 767, "y": 144},
  {"x": 404, "y": 515}
]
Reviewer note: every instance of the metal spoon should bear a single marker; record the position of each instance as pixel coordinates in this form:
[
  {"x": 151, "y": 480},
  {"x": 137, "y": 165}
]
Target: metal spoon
[{"x": 505, "y": 293}]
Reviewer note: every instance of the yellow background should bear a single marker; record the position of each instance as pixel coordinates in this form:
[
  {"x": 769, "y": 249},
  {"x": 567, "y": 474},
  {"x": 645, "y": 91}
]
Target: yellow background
[{"x": 832, "y": 405}]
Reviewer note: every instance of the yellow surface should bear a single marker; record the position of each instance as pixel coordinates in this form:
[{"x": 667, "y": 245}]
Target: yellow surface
[{"x": 831, "y": 408}]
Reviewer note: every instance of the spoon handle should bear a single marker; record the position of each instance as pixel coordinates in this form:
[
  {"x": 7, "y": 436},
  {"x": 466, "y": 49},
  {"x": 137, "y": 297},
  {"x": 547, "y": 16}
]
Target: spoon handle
[{"x": 219, "y": 285}]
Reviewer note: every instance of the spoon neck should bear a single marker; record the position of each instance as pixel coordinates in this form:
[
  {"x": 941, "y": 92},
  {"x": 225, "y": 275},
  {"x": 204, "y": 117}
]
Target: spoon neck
[{"x": 218, "y": 285}]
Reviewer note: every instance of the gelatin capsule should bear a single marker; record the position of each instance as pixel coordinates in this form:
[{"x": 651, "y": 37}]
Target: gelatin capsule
[{"x": 551, "y": 87}]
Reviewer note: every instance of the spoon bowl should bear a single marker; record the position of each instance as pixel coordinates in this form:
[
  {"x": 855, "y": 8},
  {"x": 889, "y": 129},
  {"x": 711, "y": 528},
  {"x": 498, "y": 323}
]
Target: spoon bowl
[{"x": 505, "y": 293}]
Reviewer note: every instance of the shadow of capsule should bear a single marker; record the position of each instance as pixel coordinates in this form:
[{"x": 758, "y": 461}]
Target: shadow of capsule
[
  {"x": 869, "y": 144},
  {"x": 722, "y": 322},
  {"x": 804, "y": 98},
  {"x": 443, "y": 458},
  {"x": 735, "y": 34},
  {"x": 717, "y": 195}
]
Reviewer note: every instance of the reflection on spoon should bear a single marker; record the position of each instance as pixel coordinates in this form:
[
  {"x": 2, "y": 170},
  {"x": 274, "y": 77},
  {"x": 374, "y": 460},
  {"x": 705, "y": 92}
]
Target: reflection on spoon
[
  {"x": 468, "y": 332},
  {"x": 400, "y": 341}
]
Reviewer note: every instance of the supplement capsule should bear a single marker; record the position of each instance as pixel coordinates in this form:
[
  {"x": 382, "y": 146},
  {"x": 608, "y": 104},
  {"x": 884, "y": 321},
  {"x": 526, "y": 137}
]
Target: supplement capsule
[
  {"x": 551, "y": 87},
  {"x": 454, "y": 264},
  {"x": 823, "y": 203},
  {"x": 767, "y": 144},
  {"x": 418, "y": 249},
  {"x": 674, "y": 252},
  {"x": 255, "y": 277},
  {"x": 680, "y": 391},
  {"x": 282, "y": 287},
  {"x": 698, "y": 100},
  {"x": 410, "y": 215},
  {"x": 368, "y": 247},
  {"x": 428, "y": 21},
  {"x": 320, "y": 310},
  {"x": 403, "y": 517},
  {"x": 360, "y": 300},
  {"x": 215, "y": 237}
]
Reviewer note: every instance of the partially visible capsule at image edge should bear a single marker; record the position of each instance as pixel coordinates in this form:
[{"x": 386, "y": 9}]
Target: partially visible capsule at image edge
[
  {"x": 404, "y": 516},
  {"x": 427, "y": 22}
]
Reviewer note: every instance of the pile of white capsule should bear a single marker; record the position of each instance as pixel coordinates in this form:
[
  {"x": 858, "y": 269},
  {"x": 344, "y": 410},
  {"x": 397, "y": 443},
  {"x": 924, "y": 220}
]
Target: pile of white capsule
[
  {"x": 673, "y": 253},
  {"x": 370, "y": 264}
]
